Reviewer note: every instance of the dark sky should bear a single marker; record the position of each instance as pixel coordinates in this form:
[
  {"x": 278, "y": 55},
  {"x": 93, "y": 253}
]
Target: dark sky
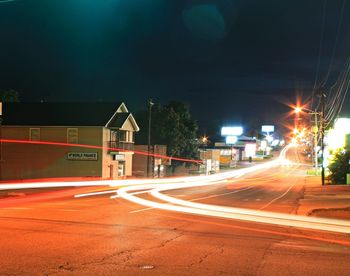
[{"x": 230, "y": 59}]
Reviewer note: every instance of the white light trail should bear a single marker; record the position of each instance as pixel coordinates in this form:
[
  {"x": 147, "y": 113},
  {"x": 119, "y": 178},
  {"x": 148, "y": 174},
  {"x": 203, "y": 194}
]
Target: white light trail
[
  {"x": 189, "y": 207},
  {"x": 184, "y": 206}
]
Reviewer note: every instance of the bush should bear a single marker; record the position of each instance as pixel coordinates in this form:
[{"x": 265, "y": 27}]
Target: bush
[{"x": 339, "y": 166}]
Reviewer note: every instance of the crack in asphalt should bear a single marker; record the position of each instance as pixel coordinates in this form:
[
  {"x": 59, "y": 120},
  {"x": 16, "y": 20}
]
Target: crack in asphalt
[
  {"x": 164, "y": 243},
  {"x": 105, "y": 260},
  {"x": 219, "y": 250}
]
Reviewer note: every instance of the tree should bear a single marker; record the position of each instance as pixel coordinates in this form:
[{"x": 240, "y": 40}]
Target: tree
[
  {"x": 172, "y": 126},
  {"x": 9, "y": 96},
  {"x": 339, "y": 166}
]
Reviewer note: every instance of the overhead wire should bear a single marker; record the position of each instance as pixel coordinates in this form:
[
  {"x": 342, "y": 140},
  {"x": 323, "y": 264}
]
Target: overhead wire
[
  {"x": 334, "y": 106},
  {"x": 335, "y": 44},
  {"x": 319, "y": 51},
  {"x": 339, "y": 90}
]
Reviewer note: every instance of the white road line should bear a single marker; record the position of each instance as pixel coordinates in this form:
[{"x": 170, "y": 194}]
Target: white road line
[
  {"x": 140, "y": 210},
  {"x": 277, "y": 198},
  {"x": 95, "y": 193},
  {"x": 195, "y": 199}
]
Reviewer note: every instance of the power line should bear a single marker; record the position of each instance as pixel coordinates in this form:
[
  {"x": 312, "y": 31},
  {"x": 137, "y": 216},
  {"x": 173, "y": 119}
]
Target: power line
[
  {"x": 335, "y": 44},
  {"x": 320, "y": 47}
]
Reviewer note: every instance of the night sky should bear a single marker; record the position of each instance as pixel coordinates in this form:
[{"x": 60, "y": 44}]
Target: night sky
[{"x": 230, "y": 59}]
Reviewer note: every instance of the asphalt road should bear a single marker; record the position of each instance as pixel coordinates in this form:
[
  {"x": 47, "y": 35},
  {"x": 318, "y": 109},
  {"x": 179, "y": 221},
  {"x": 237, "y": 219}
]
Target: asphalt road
[{"x": 52, "y": 233}]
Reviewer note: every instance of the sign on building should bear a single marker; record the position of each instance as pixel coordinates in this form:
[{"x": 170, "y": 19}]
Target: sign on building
[
  {"x": 82, "y": 156},
  {"x": 231, "y": 131},
  {"x": 119, "y": 157},
  {"x": 268, "y": 128}
]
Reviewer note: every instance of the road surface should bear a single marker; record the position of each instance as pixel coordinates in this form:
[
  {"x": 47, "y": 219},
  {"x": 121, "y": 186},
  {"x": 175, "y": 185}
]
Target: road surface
[{"x": 53, "y": 233}]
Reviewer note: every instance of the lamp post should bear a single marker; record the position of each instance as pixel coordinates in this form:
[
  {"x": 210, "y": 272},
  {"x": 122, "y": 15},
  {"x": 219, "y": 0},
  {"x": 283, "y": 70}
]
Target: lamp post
[
  {"x": 150, "y": 104},
  {"x": 316, "y": 131}
]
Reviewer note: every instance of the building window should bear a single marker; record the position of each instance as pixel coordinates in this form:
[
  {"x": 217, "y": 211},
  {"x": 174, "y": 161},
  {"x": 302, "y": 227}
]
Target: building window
[
  {"x": 34, "y": 134},
  {"x": 122, "y": 136},
  {"x": 72, "y": 135}
]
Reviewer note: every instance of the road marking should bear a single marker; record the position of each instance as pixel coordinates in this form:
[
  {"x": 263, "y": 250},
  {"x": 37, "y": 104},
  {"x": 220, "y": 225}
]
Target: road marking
[
  {"x": 200, "y": 198},
  {"x": 95, "y": 193},
  {"x": 277, "y": 198},
  {"x": 140, "y": 210}
]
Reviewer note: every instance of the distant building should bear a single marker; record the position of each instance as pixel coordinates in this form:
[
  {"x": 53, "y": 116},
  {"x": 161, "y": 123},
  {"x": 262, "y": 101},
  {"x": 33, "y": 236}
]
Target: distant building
[
  {"x": 210, "y": 159},
  {"x": 244, "y": 148},
  {"x": 108, "y": 128},
  {"x": 157, "y": 164}
]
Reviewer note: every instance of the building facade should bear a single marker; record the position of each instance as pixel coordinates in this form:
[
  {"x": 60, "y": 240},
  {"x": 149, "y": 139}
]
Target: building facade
[
  {"x": 157, "y": 165},
  {"x": 59, "y": 140}
]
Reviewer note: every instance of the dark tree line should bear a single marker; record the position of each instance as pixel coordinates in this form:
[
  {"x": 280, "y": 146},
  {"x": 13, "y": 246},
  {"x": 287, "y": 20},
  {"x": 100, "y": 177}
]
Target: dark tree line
[
  {"x": 9, "y": 96},
  {"x": 173, "y": 126}
]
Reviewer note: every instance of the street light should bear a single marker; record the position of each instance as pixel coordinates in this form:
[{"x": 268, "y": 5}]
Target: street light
[
  {"x": 150, "y": 104},
  {"x": 299, "y": 109}
]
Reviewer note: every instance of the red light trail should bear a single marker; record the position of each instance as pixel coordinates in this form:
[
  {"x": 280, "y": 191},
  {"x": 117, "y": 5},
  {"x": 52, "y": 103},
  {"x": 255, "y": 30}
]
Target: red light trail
[{"x": 13, "y": 141}]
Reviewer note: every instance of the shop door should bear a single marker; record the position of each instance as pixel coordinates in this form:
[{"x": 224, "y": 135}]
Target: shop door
[{"x": 121, "y": 168}]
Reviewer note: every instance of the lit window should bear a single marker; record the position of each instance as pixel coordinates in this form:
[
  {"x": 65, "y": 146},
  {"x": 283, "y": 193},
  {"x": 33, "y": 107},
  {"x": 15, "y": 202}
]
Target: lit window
[
  {"x": 34, "y": 134},
  {"x": 72, "y": 135}
]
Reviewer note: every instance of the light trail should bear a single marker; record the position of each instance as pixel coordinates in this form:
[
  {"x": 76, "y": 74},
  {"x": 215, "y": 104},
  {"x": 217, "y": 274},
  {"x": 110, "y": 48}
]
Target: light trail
[
  {"x": 190, "y": 207},
  {"x": 179, "y": 205},
  {"x": 120, "y": 183},
  {"x": 62, "y": 144}
]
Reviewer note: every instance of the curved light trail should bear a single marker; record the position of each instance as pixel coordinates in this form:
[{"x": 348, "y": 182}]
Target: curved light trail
[
  {"x": 130, "y": 189},
  {"x": 189, "y": 207}
]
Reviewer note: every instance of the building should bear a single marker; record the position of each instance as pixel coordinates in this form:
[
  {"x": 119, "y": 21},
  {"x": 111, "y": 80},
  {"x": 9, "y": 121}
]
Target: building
[
  {"x": 243, "y": 149},
  {"x": 211, "y": 160},
  {"x": 67, "y": 140},
  {"x": 157, "y": 164}
]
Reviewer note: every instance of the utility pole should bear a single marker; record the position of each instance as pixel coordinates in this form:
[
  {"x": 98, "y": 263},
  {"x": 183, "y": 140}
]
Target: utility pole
[
  {"x": 322, "y": 133},
  {"x": 315, "y": 130},
  {"x": 150, "y": 104}
]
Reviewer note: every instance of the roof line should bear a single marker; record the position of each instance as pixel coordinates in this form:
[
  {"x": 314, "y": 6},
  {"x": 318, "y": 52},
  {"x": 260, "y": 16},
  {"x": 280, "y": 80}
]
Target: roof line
[
  {"x": 133, "y": 121},
  {"x": 115, "y": 113}
]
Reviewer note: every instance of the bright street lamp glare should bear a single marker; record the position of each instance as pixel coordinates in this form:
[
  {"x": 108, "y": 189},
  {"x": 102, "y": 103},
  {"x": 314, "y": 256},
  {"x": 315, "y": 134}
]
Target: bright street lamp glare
[{"x": 297, "y": 109}]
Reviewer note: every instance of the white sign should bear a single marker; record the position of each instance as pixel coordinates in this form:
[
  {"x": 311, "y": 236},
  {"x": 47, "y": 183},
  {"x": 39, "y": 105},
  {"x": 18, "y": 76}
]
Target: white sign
[
  {"x": 230, "y": 140},
  {"x": 268, "y": 128},
  {"x": 83, "y": 156},
  {"x": 231, "y": 131},
  {"x": 119, "y": 157},
  {"x": 250, "y": 150}
]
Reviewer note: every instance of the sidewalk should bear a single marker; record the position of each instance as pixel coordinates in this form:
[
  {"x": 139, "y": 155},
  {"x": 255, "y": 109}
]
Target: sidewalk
[{"x": 331, "y": 201}]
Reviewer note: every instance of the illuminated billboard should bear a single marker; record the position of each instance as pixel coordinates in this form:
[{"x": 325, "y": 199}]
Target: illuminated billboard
[
  {"x": 230, "y": 140},
  {"x": 231, "y": 131},
  {"x": 268, "y": 128}
]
